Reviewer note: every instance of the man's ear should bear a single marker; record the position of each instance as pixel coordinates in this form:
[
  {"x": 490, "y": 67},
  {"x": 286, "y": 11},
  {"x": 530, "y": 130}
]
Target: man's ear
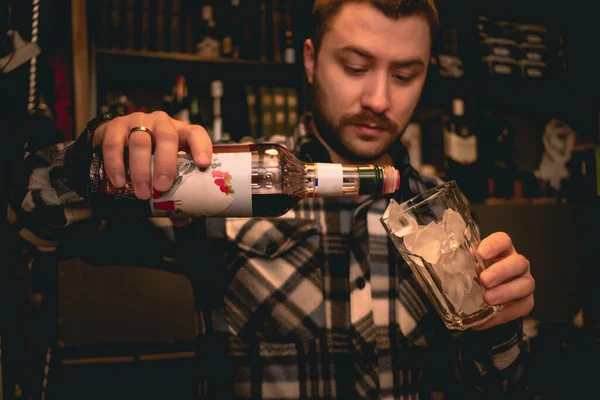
[{"x": 309, "y": 59}]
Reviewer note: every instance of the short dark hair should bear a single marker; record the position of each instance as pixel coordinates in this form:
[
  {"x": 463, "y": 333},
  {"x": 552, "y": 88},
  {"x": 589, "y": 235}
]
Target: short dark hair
[{"x": 324, "y": 11}]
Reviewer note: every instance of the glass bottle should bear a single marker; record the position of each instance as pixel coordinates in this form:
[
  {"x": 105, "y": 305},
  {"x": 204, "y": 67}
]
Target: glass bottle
[
  {"x": 208, "y": 44},
  {"x": 244, "y": 180},
  {"x": 460, "y": 142},
  {"x": 230, "y": 42},
  {"x": 181, "y": 101},
  {"x": 461, "y": 148}
]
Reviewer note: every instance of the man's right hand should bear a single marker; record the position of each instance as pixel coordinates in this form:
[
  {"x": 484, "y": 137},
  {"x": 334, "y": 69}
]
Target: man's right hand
[{"x": 167, "y": 133}]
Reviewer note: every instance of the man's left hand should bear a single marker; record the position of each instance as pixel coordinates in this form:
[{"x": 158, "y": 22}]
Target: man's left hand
[{"x": 507, "y": 280}]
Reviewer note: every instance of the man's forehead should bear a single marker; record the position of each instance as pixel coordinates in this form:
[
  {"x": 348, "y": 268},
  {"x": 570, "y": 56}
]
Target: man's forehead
[{"x": 363, "y": 25}]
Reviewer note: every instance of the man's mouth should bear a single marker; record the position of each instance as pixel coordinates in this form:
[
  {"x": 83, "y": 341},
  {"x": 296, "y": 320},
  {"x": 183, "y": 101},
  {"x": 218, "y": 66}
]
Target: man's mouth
[{"x": 369, "y": 129}]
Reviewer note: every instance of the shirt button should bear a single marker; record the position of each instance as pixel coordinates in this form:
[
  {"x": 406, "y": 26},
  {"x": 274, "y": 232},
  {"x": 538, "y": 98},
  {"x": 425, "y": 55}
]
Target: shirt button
[
  {"x": 272, "y": 248},
  {"x": 360, "y": 283}
]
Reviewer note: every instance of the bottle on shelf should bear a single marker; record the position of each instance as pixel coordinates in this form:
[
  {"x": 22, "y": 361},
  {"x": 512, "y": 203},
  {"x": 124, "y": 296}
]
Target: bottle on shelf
[
  {"x": 208, "y": 44},
  {"x": 232, "y": 31},
  {"x": 216, "y": 92},
  {"x": 195, "y": 116},
  {"x": 243, "y": 180},
  {"x": 503, "y": 180},
  {"x": 180, "y": 106},
  {"x": 289, "y": 45},
  {"x": 461, "y": 150},
  {"x": 459, "y": 142},
  {"x": 121, "y": 105}
]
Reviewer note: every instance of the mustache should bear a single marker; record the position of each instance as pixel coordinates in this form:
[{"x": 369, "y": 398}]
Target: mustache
[{"x": 368, "y": 118}]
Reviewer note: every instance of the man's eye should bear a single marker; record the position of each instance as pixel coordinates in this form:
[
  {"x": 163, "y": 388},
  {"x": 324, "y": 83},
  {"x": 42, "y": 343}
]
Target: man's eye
[
  {"x": 354, "y": 70},
  {"x": 402, "y": 78}
]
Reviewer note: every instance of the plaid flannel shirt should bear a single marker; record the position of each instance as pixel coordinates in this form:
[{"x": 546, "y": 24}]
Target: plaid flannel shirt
[{"x": 313, "y": 304}]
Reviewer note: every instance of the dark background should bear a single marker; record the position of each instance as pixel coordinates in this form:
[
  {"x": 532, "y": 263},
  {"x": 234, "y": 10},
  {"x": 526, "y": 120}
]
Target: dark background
[{"x": 63, "y": 311}]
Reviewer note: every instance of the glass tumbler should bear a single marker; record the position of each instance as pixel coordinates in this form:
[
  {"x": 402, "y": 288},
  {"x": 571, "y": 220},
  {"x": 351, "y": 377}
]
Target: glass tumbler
[{"x": 435, "y": 234}]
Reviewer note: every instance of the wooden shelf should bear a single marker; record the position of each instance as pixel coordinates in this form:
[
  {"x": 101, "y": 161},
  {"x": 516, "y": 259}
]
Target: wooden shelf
[
  {"x": 188, "y": 57},
  {"x": 522, "y": 201},
  {"x": 118, "y": 69}
]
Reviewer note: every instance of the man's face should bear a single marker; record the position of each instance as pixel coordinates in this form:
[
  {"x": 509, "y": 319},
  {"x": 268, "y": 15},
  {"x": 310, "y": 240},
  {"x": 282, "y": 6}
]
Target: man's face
[{"x": 367, "y": 79}]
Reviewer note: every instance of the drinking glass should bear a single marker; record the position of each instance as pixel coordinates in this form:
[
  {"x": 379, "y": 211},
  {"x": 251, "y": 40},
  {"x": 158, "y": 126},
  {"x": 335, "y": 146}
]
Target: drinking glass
[{"x": 435, "y": 234}]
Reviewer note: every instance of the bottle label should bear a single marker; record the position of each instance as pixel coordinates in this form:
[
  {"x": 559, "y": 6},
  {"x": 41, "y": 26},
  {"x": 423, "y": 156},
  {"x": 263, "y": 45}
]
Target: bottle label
[
  {"x": 223, "y": 189},
  {"x": 329, "y": 180},
  {"x": 227, "y": 45},
  {"x": 461, "y": 149},
  {"x": 208, "y": 47},
  {"x": 289, "y": 56}
]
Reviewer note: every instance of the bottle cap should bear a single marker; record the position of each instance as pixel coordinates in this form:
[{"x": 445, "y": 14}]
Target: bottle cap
[
  {"x": 216, "y": 88},
  {"x": 391, "y": 180}
]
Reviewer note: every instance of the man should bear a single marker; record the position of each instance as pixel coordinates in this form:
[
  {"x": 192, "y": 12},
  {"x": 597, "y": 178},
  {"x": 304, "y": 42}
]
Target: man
[{"x": 331, "y": 310}]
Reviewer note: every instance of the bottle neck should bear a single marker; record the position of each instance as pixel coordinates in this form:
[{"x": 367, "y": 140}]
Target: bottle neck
[{"x": 328, "y": 180}]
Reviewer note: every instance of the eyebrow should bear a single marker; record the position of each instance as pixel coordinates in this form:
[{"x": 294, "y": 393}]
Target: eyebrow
[{"x": 395, "y": 63}]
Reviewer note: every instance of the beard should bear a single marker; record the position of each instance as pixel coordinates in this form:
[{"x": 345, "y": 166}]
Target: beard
[{"x": 331, "y": 132}]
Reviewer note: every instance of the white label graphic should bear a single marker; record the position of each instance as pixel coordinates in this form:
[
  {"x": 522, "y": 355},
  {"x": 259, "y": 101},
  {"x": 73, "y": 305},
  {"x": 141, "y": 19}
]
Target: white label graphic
[{"x": 224, "y": 189}]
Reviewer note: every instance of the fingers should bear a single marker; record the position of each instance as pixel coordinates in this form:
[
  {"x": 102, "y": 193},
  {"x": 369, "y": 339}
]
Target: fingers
[
  {"x": 140, "y": 156},
  {"x": 504, "y": 270},
  {"x": 496, "y": 245},
  {"x": 511, "y": 311},
  {"x": 508, "y": 279},
  {"x": 165, "y": 154},
  {"x": 114, "y": 138},
  {"x": 510, "y": 291},
  {"x": 198, "y": 140},
  {"x": 167, "y": 135}
]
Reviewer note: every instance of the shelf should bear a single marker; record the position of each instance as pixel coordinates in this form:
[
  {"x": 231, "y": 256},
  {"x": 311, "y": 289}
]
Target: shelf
[
  {"x": 521, "y": 201},
  {"x": 187, "y": 57},
  {"x": 541, "y": 98},
  {"x": 117, "y": 69},
  {"x": 501, "y": 88}
]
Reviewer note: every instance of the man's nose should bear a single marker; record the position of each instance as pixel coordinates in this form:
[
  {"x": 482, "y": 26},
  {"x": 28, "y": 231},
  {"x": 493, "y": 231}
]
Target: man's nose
[{"x": 376, "y": 94}]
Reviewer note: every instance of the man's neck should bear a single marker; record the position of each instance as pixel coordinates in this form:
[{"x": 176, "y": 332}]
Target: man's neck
[{"x": 385, "y": 159}]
